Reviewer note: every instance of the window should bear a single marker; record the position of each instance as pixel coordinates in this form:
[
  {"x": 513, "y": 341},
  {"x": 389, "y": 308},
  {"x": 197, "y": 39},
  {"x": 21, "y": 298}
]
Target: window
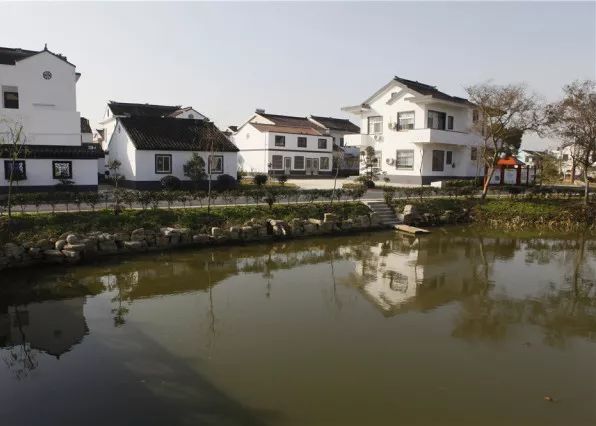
[
  {"x": 322, "y": 143},
  {"x": 404, "y": 159},
  {"x": 163, "y": 164},
  {"x": 301, "y": 142},
  {"x": 475, "y": 116},
  {"x": 474, "y": 154},
  {"x": 565, "y": 157},
  {"x": 62, "y": 169},
  {"x": 436, "y": 120},
  {"x": 449, "y": 157},
  {"x": 11, "y": 98},
  {"x": 438, "y": 160},
  {"x": 375, "y": 125},
  {"x": 405, "y": 120},
  {"x": 299, "y": 162},
  {"x": 341, "y": 142},
  {"x": 324, "y": 163},
  {"x": 216, "y": 164},
  {"x": 191, "y": 116},
  {"x": 277, "y": 162},
  {"x": 450, "y": 122},
  {"x": 19, "y": 171},
  {"x": 280, "y": 140}
]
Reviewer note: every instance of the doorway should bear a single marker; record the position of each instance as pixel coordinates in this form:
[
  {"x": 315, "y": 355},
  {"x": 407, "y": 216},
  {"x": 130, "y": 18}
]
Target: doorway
[{"x": 287, "y": 165}]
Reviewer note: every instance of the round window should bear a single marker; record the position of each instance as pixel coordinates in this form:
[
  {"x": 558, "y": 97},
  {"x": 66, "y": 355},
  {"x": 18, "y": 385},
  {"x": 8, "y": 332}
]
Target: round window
[{"x": 47, "y": 75}]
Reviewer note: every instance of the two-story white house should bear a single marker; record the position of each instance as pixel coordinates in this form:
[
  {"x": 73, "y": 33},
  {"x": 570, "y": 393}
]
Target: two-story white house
[
  {"x": 38, "y": 92},
  {"x": 419, "y": 133},
  {"x": 154, "y": 141},
  {"x": 347, "y": 157},
  {"x": 284, "y": 145}
]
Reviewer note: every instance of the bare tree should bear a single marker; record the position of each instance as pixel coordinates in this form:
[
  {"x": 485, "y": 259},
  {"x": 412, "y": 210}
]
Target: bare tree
[
  {"x": 13, "y": 143},
  {"x": 573, "y": 119},
  {"x": 503, "y": 114}
]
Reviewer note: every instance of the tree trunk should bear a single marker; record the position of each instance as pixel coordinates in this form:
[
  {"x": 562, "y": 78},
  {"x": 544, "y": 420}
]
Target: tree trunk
[
  {"x": 572, "y": 171},
  {"x": 335, "y": 181},
  {"x": 586, "y": 186},
  {"x": 487, "y": 179}
]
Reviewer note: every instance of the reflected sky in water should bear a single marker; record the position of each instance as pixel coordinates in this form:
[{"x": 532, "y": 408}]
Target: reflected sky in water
[{"x": 458, "y": 327}]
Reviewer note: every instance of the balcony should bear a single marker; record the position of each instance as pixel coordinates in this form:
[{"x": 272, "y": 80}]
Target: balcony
[
  {"x": 362, "y": 141},
  {"x": 447, "y": 137}
]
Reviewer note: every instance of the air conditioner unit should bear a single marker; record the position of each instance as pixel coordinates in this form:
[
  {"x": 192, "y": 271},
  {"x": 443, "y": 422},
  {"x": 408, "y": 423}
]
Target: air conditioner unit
[{"x": 390, "y": 161}]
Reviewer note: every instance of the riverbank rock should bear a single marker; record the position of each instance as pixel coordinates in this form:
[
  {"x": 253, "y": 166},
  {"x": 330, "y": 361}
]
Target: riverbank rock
[
  {"x": 375, "y": 220},
  {"x": 71, "y": 256},
  {"x": 73, "y": 239},
  {"x": 201, "y": 238},
  {"x": 330, "y": 217},
  {"x": 74, "y": 247},
  {"x": 135, "y": 245},
  {"x": 107, "y": 246},
  {"x": 13, "y": 251},
  {"x": 234, "y": 232},
  {"x": 137, "y": 235},
  {"x": 53, "y": 256},
  {"x": 216, "y": 232}
]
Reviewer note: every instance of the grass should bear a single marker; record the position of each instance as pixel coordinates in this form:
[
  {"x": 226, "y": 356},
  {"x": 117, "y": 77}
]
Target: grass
[{"x": 27, "y": 227}]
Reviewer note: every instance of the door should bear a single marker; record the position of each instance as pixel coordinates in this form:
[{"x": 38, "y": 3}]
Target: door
[
  {"x": 308, "y": 167},
  {"x": 287, "y": 165},
  {"x": 315, "y": 166}
]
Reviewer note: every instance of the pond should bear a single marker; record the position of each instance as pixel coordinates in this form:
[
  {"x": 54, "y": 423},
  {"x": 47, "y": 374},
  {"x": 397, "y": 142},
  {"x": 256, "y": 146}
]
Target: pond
[{"x": 459, "y": 327}]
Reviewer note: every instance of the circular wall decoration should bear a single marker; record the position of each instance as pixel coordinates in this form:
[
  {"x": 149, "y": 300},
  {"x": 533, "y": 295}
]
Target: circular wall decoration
[{"x": 47, "y": 75}]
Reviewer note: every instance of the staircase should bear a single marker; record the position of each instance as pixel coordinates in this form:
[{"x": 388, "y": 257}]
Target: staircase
[{"x": 385, "y": 213}]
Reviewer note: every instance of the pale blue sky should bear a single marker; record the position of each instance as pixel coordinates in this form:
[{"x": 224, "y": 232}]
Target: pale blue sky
[{"x": 226, "y": 59}]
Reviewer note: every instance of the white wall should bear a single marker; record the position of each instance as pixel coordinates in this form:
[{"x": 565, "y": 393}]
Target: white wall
[
  {"x": 47, "y": 108},
  {"x": 252, "y": 144},
  {"x": 39, "y": 172},
  {"x": 145, "y": 164},
  {"x": 122, "y": 149}
]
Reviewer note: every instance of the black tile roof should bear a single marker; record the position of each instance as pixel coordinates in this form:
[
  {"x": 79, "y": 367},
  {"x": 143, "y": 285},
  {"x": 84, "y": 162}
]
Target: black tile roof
[
  {"x": 10, "y": 56},
  {"x": 427, "y": 89},
  {"x": 58, "y": 152},
  {"x": 141, "y": 110},
  {"x": 85, "y": 127},
  {"x": 173, "y": 134},
  {"x": 340, "y": 124}
]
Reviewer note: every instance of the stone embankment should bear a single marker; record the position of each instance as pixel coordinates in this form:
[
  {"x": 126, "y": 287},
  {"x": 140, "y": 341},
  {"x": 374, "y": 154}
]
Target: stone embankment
[
  {"x": 412, "y": 215},
  {"x": 71, "y": 248}
]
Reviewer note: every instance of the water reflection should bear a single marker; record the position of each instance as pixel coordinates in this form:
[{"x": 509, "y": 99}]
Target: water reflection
[{"x": 243, "y": 318}]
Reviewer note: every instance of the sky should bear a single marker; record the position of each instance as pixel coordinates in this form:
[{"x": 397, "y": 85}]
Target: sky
[{"x": 227, "y": 59}]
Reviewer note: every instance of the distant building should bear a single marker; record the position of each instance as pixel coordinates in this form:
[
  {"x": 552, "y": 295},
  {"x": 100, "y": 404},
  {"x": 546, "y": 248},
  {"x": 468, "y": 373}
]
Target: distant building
[{"x": 39, "y": 93}]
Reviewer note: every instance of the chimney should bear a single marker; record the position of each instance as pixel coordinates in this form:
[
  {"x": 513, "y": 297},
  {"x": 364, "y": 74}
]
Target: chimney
[{"x": 260, "y": 111}]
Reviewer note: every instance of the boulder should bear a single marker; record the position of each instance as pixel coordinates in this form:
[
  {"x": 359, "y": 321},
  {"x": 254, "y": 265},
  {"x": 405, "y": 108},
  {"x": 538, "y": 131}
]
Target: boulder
[
  {"x": 330, "y": 217},
  {"x": 347, "y": 225},
  {"x": 162, "y": 241},
  {"x": 53, "y": 256},
  {"x": 135, "y": 245},
  {"x": 35, "y": 252},
  {"x": 107, "y": 246},
  {"x": 309, "y": 228},
  {"x": 137, "y": 235},
  {"x": 216, "y": 232},
  {"x": 71, "y": 254},
  {"x": 74, "y": 247},
  {"x": 73, "y": 239},
  {"x": 60, "y": 244},
  {"x": 410, "y": 209},
  {"x": 235, "y": 231},
  {"x": 201, "y": 238},
  {"x": 121, "y": 236},
  {"x": 248, "y": 233},
  {"x": 44, "y": 244}
]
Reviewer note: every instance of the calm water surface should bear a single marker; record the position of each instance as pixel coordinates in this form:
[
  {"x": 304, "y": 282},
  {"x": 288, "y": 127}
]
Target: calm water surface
[{"x": 455, "y": 328}]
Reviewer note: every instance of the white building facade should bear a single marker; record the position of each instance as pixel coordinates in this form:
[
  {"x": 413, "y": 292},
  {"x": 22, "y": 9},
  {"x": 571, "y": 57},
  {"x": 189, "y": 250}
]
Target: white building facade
[
  {"x": 419, "y": 134},
  {"x": 39, "y": 94},
  {"x": 284, "y": 145}
]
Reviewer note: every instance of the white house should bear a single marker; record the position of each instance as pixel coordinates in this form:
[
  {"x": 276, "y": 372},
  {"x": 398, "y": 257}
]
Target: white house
[
  {"x": 281, "y": 144},
  {"x": 347, "y": 156},
  {"x": 39, "y": 94},
  {"x": 419, "y": 133},
  {"x": 151, "y": 147}
]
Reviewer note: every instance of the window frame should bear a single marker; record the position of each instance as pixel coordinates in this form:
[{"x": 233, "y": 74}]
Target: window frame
[
  {"x": 397, "y": 156},
  {"x": 282, "y": 140},
  {"x": 302, "y": 139},
  {"x": 210, "y": 159},
  {"x": 399, "y": 127},
  {"x": 448, "y": 157},
  {"x": 319, "y": 140},
  {"x": 379, "y": 121},
  {"x": 450, "y": 122},
  {"x": 8, "y": 163},
  {"x": 436, "y": 164},
  {"x": 321, "y": 163},
  {"x": 54, "y": 176},
  {"x": 473, "y": 153},
  {"x": 169, "y": 156},
  {"x": 341, "y": 142},
  {"x": 430, "y": 114},
  {"x": 303, "y": 162},
  {"x": 10, "y": 91},
  {"x": 281, "y": 157}
]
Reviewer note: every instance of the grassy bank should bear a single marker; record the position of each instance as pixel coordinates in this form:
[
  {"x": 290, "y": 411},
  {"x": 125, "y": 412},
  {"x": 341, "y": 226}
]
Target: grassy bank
[
  {"x": 26, "y": 227},
  {"x": 515, "y": 213}
]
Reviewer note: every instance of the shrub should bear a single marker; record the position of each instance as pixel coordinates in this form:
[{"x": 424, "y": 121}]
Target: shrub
[
  {"x": 282, "y": 179},
  {"x": 225, "y": 182},
  {"x": 170, "y": 183},
  {"x": 260, "y": 179}
]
